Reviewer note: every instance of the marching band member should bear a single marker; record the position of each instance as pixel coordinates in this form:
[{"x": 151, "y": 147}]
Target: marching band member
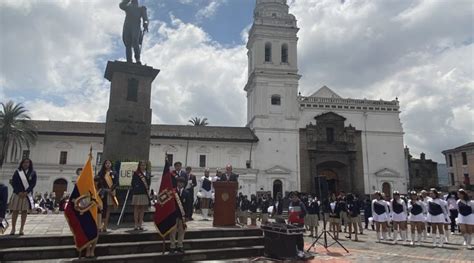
[
  {"x": 417, "y": 209},
  {"x": 466, "y": 217},
  {"x": 206, "y": 191},
  {"x": 23, "y": 182},
  {"x": 398, "y": 209},
  {"x": 425, "y": 198},
  {"x": 109, "y": 180},
  {"x": 141, "y": 194},
  {"x": 380, "y": 215},
  {"x": 447, "y": 221},
  {"x": 437, "y": 215},
  {"x": 334, "y": 216}
]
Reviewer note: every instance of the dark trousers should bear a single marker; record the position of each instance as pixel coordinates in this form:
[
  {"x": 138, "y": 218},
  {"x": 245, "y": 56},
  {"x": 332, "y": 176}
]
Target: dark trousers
[
  {"x": 191, "y": 204},
  {"x": 136, "y": 50},
  {"x": 452, "y": 216},
  {"x": 300, "y": 240}
]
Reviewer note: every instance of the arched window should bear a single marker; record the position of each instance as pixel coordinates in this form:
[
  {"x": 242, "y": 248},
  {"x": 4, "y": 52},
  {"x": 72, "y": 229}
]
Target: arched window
[
  {"x": 284, "y": 53},
  {"x": 268, "y": 52},
  {"x": 276, "y": 100}
]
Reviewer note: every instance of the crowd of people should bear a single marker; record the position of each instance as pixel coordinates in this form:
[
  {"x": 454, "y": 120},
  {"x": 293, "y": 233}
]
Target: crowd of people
[{"x": 408, "y": 218}]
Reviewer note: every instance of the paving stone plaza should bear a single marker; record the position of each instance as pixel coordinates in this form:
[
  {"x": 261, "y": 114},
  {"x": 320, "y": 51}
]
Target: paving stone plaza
[{"x": 365, "y": 250}]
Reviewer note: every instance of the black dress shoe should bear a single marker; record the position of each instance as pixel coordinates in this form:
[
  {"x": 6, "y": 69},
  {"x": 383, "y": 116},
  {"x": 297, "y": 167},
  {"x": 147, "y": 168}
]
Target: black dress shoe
[
  {"x": 172, "y": 250},
  {"x": 180, "y": 250}
]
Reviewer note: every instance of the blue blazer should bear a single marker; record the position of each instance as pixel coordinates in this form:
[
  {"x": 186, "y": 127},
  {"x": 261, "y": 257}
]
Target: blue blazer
[
  {"x": 18, "y": 185},
  {"x": 3, "y": 200},
  {"x": 138, "y": 188}
]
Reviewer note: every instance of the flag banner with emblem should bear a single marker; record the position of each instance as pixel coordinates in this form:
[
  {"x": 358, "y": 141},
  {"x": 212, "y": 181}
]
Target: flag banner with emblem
[
  {"x": 165, "y": 208},
  {"x": 81, "y": 211}
]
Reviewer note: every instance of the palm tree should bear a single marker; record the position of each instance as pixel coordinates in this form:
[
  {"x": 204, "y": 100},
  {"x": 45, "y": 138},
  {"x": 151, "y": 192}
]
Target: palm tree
[
  {"x": 15, "y": 130},
  {"x": 198, "y": 121}
]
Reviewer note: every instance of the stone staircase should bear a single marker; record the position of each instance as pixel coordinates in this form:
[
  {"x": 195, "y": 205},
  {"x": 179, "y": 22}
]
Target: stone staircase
[{"x": 208, "y": 244}]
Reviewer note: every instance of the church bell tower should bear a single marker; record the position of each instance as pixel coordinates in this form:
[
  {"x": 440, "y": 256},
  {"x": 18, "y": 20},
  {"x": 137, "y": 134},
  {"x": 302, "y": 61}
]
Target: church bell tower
[{"x": 272, "y": 85}]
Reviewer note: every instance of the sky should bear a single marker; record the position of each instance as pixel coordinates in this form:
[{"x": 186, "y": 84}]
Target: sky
[{"x": 53, "y": 55}]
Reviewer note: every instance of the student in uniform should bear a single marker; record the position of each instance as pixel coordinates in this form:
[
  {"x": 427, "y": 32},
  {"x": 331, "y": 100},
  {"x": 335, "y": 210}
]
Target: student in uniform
[
  {"x": 353, "y": 214},
  {"x": 425, "y": 198},
  {"x": 244, "y": 207},
  {"x": 311, "y": 219},
  {"x": 466, "y": 217},
  {"x": 23, "y": 182},
  {"x": 141, "y": 194},
  {"x": 398, "y": 209},
  {"x": 108, "y": 182},
  {"x": 177, "y": 235},
  {"x": 3, "y": 207},
  {"x": 380, "y": 215},
  {"x": 334, "y": 216},
  {"x": 452, "y": 200},
  {"x": 437, "y": 216},
  {"x": 277, "y": 211},
  {"x": 253, "y": 206},
  {"x": 416, "y": 209},
  {"x": 264, "y": 205}
]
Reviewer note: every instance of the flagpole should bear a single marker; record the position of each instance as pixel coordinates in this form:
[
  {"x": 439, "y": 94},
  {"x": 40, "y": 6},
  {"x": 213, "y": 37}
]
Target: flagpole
[{"x": 123, "y": 208}]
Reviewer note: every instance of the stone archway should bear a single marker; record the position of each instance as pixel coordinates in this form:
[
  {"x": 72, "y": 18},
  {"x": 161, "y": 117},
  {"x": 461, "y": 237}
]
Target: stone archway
[
  {"x": 387, "y": 189},
  {"x": 277, "y": 188},
  {"x": 59, "y": 187}
]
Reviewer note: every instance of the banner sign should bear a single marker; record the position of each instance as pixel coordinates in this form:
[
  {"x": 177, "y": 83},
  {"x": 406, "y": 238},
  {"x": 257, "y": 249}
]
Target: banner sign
[{"x": 126, "y": 172}]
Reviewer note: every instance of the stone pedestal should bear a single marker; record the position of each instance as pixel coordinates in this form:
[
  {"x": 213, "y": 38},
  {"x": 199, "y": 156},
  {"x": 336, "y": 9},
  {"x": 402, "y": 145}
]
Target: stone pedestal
[{"x": 128, "y": 123}]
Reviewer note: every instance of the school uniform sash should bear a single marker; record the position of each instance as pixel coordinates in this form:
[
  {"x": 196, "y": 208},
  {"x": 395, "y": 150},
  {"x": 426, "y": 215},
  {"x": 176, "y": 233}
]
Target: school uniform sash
[
  {"x": 434, "y": 209},
  {"x": 379, "y": 209},
  {"x": 397, "y": 207},
  {"x": 109, "y": 181},
  {"x": 142, "y": 177},
  {"x": 464, "y": 209},
  {"x": 26, "y": 185},
  {"x": 416, "y": 209}
]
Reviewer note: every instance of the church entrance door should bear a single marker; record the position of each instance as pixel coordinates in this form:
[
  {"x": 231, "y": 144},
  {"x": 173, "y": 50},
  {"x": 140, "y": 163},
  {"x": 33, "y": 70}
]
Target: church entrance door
[
  {"x": 386, "y": 189},
  {"x": 277, "y": 188}
]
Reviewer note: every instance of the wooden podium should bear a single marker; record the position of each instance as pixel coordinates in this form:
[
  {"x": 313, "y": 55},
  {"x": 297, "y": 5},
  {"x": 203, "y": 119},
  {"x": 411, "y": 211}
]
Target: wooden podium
[{"x": 225, "y": 203}]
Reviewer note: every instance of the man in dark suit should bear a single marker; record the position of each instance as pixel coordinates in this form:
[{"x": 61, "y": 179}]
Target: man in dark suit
[
  {"x": 177, "y": 173},
  {"x": 176, "y": 246},
  {"x": 229, "y": 175},
  {"x": 3, "y": 207}
]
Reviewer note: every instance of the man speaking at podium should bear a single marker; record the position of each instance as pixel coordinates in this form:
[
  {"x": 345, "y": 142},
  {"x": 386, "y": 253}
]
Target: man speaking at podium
[{"x": 229, "y": 175}]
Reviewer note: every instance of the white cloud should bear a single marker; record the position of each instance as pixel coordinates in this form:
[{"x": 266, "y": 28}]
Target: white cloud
[{"x": 210, "y": 9}]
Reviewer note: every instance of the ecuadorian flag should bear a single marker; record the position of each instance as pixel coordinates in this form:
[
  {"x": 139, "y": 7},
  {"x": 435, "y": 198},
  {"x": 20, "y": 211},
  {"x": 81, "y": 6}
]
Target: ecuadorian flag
[{"x": 82, "y": 209}]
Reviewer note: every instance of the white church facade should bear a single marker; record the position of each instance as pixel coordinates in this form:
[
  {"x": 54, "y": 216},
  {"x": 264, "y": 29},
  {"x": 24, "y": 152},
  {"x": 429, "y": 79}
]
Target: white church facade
[{"x": 319, "y": 143}]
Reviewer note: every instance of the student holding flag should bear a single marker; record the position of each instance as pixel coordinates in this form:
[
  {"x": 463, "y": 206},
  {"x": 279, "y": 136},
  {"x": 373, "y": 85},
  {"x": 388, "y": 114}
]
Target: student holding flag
[
  {"x": 82, "y": 211},
  {"x": 108, "y": 182},
  {"x": 141, "y": 194},
  {"x": 169, "y": 210},
  {"x": 23, "y": 182}
]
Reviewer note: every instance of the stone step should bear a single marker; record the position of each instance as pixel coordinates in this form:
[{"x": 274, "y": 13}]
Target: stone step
[
  {"x": 127, "y": 236},
  {"x": 189, "y": 256},
  {"x": 127, "y": 248}
]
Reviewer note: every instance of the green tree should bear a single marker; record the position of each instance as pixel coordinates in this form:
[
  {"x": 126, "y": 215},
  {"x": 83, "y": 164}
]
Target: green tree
[
  {"x": 16, "y": 131},
  {"x": 196, "y": 121}
]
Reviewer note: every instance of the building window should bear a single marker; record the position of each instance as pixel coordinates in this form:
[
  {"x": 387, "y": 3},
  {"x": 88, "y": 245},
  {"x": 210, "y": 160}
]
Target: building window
[
  {"x": 26, "y": 154},
  {"x": 132, "y": 90},
  {"x": 63, "y": 158},
  {"x": 452, "y": 179},
  {"x": 284, "y": 53},
  {"x": 466, "y": 179},
  {"x": 202, "y": 160},
  {"x": 330, "y": 135},
  {"x": 276, "y": 100},
  {"x": 268, "y": 52},
  {"x": 464, "y": 158},
  {"x": 450, "y": 157},
  {"x": 170, "y": 158}
]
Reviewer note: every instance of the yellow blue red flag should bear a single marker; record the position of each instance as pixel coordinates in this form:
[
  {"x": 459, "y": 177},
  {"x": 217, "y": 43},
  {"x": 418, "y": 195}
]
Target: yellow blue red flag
[{"x": 82, "y": 209}]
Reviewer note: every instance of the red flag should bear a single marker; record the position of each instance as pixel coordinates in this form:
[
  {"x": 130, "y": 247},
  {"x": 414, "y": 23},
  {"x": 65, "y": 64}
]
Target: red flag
[{"x": 165, "y": 208}]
